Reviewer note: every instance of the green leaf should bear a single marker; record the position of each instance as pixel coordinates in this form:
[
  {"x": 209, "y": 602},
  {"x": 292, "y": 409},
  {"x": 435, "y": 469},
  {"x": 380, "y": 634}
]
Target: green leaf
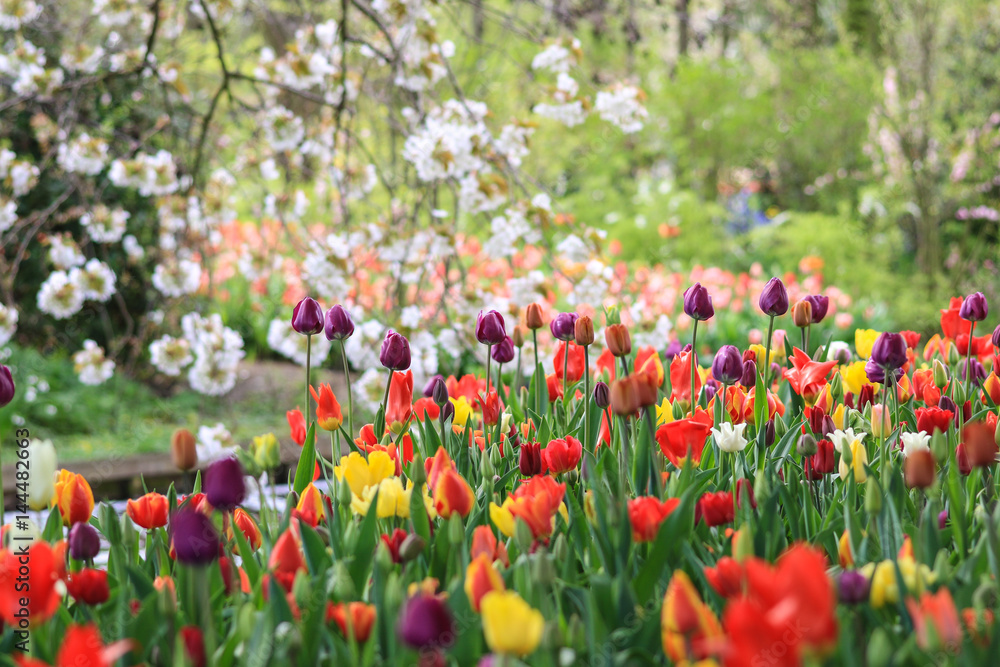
[
  {"x": 307, "y": 461},
  {"x": 249, "y": 560},
  {"x": 317, "y": 559},
  {"x": 364, "y": 547}
]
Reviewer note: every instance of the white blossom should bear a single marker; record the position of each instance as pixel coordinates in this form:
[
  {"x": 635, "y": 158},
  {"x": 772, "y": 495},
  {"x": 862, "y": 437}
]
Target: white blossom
[
  {"x": 170, "y": 355},
  {"x": 8, "y": 323},
  {"x": 59, "y": 296},
  {"x": 91, "y": 365},
  {"x": 96, "y": 280}
]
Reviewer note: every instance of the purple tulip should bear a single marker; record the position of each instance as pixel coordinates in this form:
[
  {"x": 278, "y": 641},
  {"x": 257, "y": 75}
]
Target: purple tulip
[
  {"x": 6, "y": 386},
  {"x": 338, "y": 324},
  {"x": 307, "y": 317},
  {"x": 749, "y": 379},
  {"x": 84, "y": 541},
  {"x": 673, "y": 349},
  {"x": 727, "y": 367},
  {"x": 852, "y": 587},
  {"x": 942, "y": 519},
  {"x": 974, "y": 308},
  {"x": 774, "y": 298},
  {"x": 395, "y": 353},
  {"x": 447, "y": 411},
  {"x": 196, "y": 542},
  {"x": 698, "y": 303},
  {"x": 490, "y": 327},
  {"x": 224, "y": 485},
  {"x": 602, "y": 395},
  {"x": 876, "y": 373},
  {"x": 820, "y": 306},
  {"x": 996, "y": 336},
  {"x": 977, "y": 375},
  {"x": 425, "y": 621},
  {"x": 889, "y": 350},
  {"x": 710, "y": 389},
  {"x": 431, "y": 384},
  {"x": 563, "y": 326},
  {"x": 503, "y": 353}
]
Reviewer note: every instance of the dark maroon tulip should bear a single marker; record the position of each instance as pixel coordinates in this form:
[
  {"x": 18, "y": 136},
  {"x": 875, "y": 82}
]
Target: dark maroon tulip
[
  {"x": 974, "y": 308},
  {"x": 866, "y": 396},
  {"x": 889, "y": 350},
  {"x": 195, "y": 540},
  {"x": 429, "y": 387},
  {"x": 852, "y": 587},
  {"x": 563, "y": 326},
  {"x": 749, "y": 379},
  {"x": 503, "y": 352},
  {"x": 977, "y": 373},
  {"x": 774, "y": 298},
  {"x": 425, "y": 621},
  {"x": 530, "y": 461},
  {"x": 996, "y": 336},
  {"x": 447, "y": 411},
  {"x": 602, "y": 395},
  {"x": 698, "y": 303},
  {"x": 727, "y": 367},
  {"x": 307, "y": 317},
  {"x": 224, "y": 485},
  {"x": 490, "y": 327},
  {"x": 942, "y": 519},
  {"x": 876, "y": 373},
  {"x": 338, "y": 324},
  {"x": 6, "y": 386},
  {"x": 820, "y": 306},
  {"x": 822, "y": 462},
  {"x": 395, "y": 353},
  {"x": 84, "y": 541}
]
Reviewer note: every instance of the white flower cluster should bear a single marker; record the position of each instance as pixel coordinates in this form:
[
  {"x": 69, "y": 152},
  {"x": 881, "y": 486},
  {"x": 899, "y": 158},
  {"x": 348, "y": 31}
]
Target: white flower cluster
[
  {"x": 114, "y": 13},
  {"x": 151, "y": 175},
  {"x": 8, "y": 214},
  {"x": 25, "y": 64},
  {"x": 450, "y": 141},
  {"x": 284, "y": 340},
  {"x": 213, "y": 443},
  {"x": 64, "y": 253},
  {"x": 17, "y": 13},
  {"x": 83, "y": 155},
  {"x": 63, "y": 293},
  {"x": 8, "y": 323},
  {"x": 217, "y": 353},
  {"x": 91, "y": 365},
  {"x": 509, "y": 232},
  {"x": 558, "y": 57},
  {"x": 177, "y": 277},
  {"x": 19, "y": 175},
  {"x": 568, "y": 108},
  {"x": 105, "y": 225},
  {"x": 170, "y": 355},
  {"x": 311, "y": 61},
  {"x": 622, "y": 106}
]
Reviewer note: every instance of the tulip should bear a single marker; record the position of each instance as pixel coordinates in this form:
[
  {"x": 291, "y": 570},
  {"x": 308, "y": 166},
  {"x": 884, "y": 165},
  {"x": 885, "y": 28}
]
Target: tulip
[
  {"x": 915, "y": 442},
  {"x": 919, "y": 469},
  {"x": 682, "y": 439},
  {"x": 802, "y": 315},
  {"x": 194, "y": 645},
  {"x": 624, "y": 397},
  {"x": 399, "y": 402},
  {"x": 774, "y": 298},
  {"x": 980, "y": 444},
  {"x": 881, "y": 421},
  {"x": 452, "y": 494},
  {"x": 355, "y": 619},
  {"x": 889, "y": 351},
  {"x": 715, "y": 509},
  {"x": 84, "y": 542},
  {"x": 266, "y": 451},
  {"x": 394, "y": 543},
  {"x": 245, "y": 523},
  {"x": 562, "y": 455},
  {"x": 646, "y": 513},
  {"x": 224, "y": 485},
  {"x": 503, "y": 352},
  {"x": 618, "y": 340},
  {"x": 89, "y": 587},
  {"x": 337, "y": 324},
  {"x": 481, "y": 578},
  {"x": 852, "y": 587},
  {"x": 41, "y": 474},
  {"x": 698, "y": 303},
  {"x": 820, "y": 306},
  {"x": 688, "y": 627},
  {"x": 194, "y": 537},
  {"x": 425, "y": 622},
  {"x": 730, "y": 438},
  {"x": 517, "y": 337},
  {"x": 37, "y": 598},
  {"x": 535, "y": 502},
  {"x": 974, "y": 308},
  {"x": 7, "y": 389},
  {"x": 749, "y": 378},
  {"x": 150, "y": 511},
  {"x": 727, "y": 367},
  {"x": 583, "y": 331},
  {"x": 563, "y": 326},
  {"x": 530, "y": 459},
  {"x": 602, "y": 395},
  {"x": 935, "y": 621},
  {"x": 183, "y": 450},
  {"x": 490, "y": 328},
  {"x": 296, "y": 426},
  {"x": 533, "y": 316},
  {"x": 73, "y": 497},
  {"x": 307, "y": 317},
  {"x": 328, "y": 414},
  {"x": 395, "y": 352},
  {"x": 510, "y": 624},
  {"x": 286, "y": 560}
]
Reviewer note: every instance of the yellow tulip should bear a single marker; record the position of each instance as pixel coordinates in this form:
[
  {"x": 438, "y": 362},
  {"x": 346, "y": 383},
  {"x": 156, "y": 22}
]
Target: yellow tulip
[
  {"x": 462, "y": 411},
  {"x": 664, "y": 413},
  {"x": 510, "y": 624},
  {"x": 854, "y": 377},
  {"x": 864, "y": 339},
  {"x": 393, "y": 499},
  {"x": 838, "y": 416},
  {"x": 777, "y": 353},
  {"x": 360, "y": 474},
  {"x": 885, "y": 586},
  {"x": 859, "y": 459},
  {"x": 502, "y": 518}
]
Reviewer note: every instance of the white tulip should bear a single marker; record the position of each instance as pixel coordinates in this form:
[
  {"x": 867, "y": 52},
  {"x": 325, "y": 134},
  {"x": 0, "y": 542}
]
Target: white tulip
[
  {"x": 41, "y": 474},
  {"x": 915, "y": 442},
  {"x": 730, "y": 438}
]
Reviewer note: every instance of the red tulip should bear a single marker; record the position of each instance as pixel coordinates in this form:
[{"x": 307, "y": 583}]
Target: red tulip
[
  {"x": 89, "y": 586},
  {"x": 715, "y": 509},
  {"x": 726, "y": 578},
  {"x": 355, "y": 619},
  {"x": 150, "y": 511},
  {"x": 400, "y": 404},
  {"x": 574, "y": 369},
  {"x": 646, "y": 514},
  {"x": 562, "y": 455},
  {"x": 297, "y": 425},
  {"x": 929, "y": 419},
  {"x": 683, "y": 438}
]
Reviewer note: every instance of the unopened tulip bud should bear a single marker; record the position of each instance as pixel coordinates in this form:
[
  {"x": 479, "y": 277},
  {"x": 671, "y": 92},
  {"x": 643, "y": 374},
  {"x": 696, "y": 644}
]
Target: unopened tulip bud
[
  {"x": 517, "y": 337},
  {"x": 974, "y": 308},
  {"x": 749, "y": 379},
  {"x": 418, "y": 474},
  {"x": 490, "y": 327},
  {"x": 7, "y": 390},
  {"x": 533, "y": 316},
  {"x": 563, "y": 326},
  {"x": 802, "y": 314},
  {"x": 837, "y": 388},
  {"x": 873, "y": 497},
  {"x": 561, "y": 549},
  {"x": 543, "y": 572},
  {"x": 383, "y": 557},
  {"x": 344, "y": 495},
  {"x": 395, "y": 352},
  {"x": 939, "y": 446},
  {"x": 806, "y": 445},
  {"x": 523, "y": 536},
  {"x": 820, "y": 305},
  {"x": 618, "y": 340},
  {"x": 743, "y": 543},
  {"x": 337, "y": 324},
  {"x": 612, "y": 316},
  {"x": 456, "y": 532},
  {"x": 624, "y": 398},
  {"x": 780, "y": 429},
  {"x": 774, "y": 298},
  {"x": 84, "y": 541},
  {"x": 847, "y": 455},
  {"x": 447, "y": 412},
  {"x": 880, "y": 649},
  {"x": 584, "y": 331},
  {"x": 602, "y": 395},
  {"x": 183, "y": 450},
  {"x": 307, "y": 317},
  {"x": 411, "y": 547},
  {"x": 940, "y": 375},
  {"x": 953, "y": 355},
  {"x": 919, "y": 469},
  {"x": 843, "y": 356},
  {"x": 343, "y": 583},
  {"x": 769, "y": 433},
  {"x": 698, "y": 303}
]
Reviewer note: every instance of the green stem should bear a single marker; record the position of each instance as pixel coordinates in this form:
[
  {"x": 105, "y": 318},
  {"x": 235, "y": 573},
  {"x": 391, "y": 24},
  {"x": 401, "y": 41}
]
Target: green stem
[
  {"x": 517, "y": 372},
  {"x": 694, "y": 365},
  {"x": 534, "y": 374},
  {"x": 586, "y": 398},
  {"x": 767, "y": 356},
  {"x": 968, "y": 361},
  {"x": 884, "y": 441},
  {"x": 308, "y": 405},
  {"x": 350, "y": 395},
  {"x": 489, "y": 358},
  {"x": 565, "y": 377}
]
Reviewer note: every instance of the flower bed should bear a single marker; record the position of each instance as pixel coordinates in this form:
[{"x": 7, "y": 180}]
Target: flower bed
[{"x": 780, "y": 505}]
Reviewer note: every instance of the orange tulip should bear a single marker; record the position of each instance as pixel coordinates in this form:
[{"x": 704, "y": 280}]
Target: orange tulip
[
  {"x": 286, "y": 560},
  {"x": 490, "y": 406},
  {"x": 683, "y": 438},
  {"x": 453, "y": 494},
  {"x": 807, "y": 377},
  {"x": 936, "y": 611},
  {"x": 399, "y": 406},
  {"x": 311, "y": 507},
  {"x": 150, "y": 511},
  {"x": 245, "y": 522},
  {"x": 688, "y": 627},
  {"x": 328, "y": 414},
  {"x": 646, "y": 514},
  {"x": 297, "y": 426},
  {"x": 574, "y": 365},
  {"x": 355, "y": 619},
  {"x": 536, "y": 502},
  {"x": 73, "y": 497},
  {"x": 481, "y": 578},
  {"x": 484, "y": 542},
  {"x": 436, "y": 465},
  {"x": 680, "y": 379}
]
